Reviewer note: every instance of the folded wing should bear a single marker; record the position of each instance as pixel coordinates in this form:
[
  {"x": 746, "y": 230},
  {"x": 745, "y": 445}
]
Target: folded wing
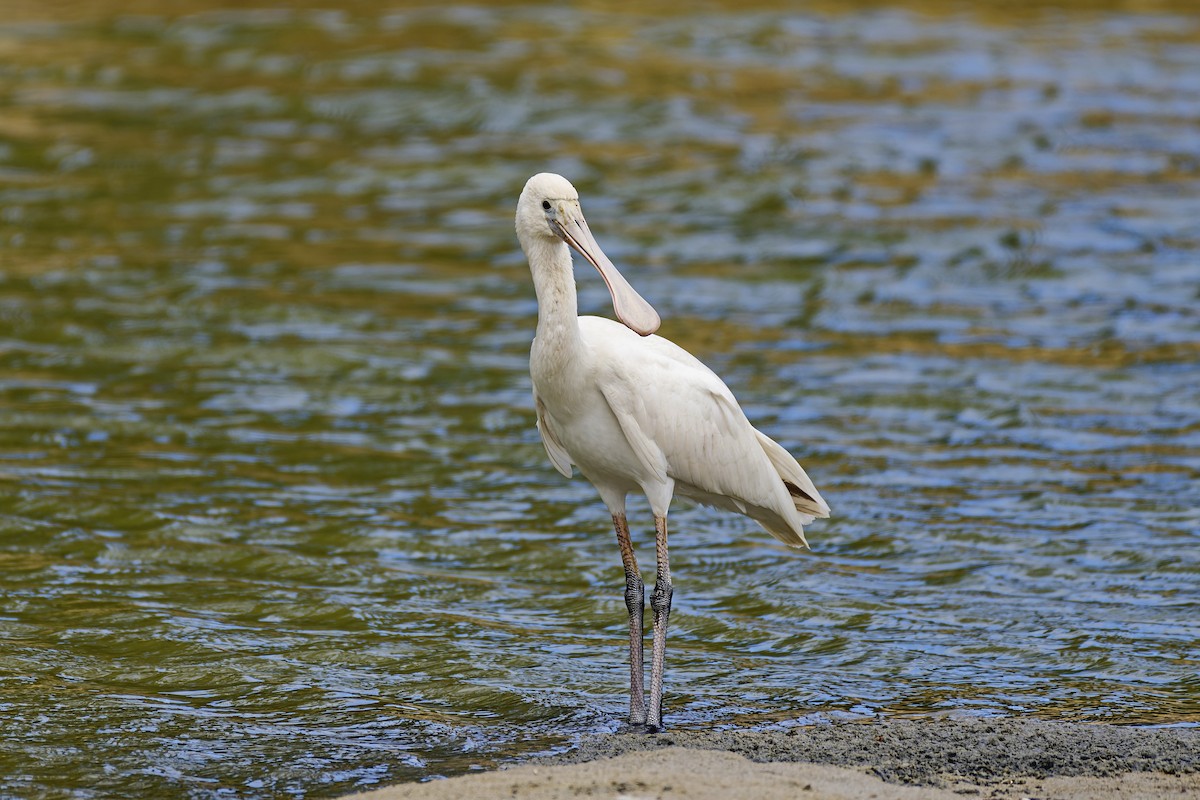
[{"x": 684, "y": 424}]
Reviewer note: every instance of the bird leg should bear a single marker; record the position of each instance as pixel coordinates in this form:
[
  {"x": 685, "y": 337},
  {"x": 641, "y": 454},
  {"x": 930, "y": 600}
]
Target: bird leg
[
  {"x": 660, "y": 604},
  {"x": 635, "y": 601}
]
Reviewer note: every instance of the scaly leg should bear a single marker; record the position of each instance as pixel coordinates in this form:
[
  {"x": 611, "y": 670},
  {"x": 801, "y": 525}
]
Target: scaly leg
[
  {"x": 635, "y": 601},
  {"x": 660, "y": 604}
]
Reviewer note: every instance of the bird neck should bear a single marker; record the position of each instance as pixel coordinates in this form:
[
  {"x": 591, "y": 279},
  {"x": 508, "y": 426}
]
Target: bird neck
[{"x": 558, "y": 306}]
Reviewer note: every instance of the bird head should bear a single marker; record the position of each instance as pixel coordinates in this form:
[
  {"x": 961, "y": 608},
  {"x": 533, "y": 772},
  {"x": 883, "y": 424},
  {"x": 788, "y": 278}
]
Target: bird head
[{"x": 549, "y": 212}]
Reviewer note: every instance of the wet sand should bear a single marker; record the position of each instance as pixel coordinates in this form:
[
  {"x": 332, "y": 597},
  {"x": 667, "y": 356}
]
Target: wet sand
[{"x": 935, "y": 758}]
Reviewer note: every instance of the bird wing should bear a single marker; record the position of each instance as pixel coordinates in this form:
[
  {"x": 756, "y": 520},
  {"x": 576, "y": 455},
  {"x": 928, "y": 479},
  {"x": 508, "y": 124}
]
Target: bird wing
[
  {"x": 681, "y": 420},
  {"x": 801, "y": 488},
  {"x": 554, "y": 448}
]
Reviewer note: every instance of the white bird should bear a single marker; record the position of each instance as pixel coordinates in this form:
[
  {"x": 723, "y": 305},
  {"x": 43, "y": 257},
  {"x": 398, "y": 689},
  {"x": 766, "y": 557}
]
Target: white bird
[{"x": 636, "y": 412}]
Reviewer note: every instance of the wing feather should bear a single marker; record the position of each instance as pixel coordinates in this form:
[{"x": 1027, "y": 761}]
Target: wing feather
[
  {"x": 554, "y": 448},
  {"x": 630, "y": 410},
  {"x": 804, "y": 493}
]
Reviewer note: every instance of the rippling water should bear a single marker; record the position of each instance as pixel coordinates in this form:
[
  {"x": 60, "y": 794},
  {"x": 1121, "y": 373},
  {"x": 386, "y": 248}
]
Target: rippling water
[{"x": 274, "y": 518}]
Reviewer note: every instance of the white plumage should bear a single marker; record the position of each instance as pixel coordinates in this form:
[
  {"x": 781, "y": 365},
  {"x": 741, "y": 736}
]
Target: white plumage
[
  {"x": 646, "y": 415},
  {"x": 636, "y": 412}
]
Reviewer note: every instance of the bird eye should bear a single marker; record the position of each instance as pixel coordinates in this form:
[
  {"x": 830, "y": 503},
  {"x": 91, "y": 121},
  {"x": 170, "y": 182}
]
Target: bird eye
[{"x": 546, "y": 204}]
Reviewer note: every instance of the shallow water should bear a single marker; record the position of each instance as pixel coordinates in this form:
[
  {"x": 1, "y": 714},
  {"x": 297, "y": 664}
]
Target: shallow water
[{"x": 275, "y": 520}]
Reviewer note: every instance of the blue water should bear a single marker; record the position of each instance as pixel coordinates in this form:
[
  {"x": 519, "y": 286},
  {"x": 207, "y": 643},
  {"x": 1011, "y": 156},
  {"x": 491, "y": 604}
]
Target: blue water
[{"x": 275, "y": 518}]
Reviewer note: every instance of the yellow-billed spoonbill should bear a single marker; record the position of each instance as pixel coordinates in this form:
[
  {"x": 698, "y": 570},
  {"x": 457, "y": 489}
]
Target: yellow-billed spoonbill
[{"x": 635, "y": 412}]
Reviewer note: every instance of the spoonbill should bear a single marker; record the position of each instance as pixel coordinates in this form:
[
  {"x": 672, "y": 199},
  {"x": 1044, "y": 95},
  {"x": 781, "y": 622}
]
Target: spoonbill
[{"x": 636, "y": 412}]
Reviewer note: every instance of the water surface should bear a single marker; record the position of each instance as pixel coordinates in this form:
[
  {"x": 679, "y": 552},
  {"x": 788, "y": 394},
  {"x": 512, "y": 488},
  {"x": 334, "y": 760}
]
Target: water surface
[{"x": 274, "y": 518}]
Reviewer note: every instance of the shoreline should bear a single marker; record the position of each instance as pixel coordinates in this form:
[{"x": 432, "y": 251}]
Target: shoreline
[{"x": 922, "y": 758}]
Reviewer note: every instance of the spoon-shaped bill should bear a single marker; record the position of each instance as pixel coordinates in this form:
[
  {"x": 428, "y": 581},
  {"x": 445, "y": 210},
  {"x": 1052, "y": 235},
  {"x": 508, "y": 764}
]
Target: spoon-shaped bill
[{"x": 631, "y": 308}]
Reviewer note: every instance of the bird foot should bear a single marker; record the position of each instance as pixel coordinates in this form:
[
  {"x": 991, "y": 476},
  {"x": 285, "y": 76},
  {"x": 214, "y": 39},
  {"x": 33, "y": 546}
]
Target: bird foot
[{"x": 641, "y": 728}]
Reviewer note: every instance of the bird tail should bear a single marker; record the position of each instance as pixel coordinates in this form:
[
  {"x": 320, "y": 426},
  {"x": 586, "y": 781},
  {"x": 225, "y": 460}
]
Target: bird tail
[
  {"x": 791, "y": 535},
  {"x": 804, "y": 495}
]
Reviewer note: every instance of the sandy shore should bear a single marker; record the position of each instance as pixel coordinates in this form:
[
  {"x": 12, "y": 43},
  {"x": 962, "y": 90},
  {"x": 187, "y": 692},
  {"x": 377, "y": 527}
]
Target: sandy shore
[{"x": 903, "y": 759}]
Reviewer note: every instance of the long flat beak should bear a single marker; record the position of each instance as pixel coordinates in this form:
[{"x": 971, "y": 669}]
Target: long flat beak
[{"x": 631, "y": 308}]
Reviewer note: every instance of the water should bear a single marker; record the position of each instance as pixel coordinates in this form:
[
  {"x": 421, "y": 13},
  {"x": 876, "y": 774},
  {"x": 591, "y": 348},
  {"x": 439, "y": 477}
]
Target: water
[{"x": 275, "y": 521}]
